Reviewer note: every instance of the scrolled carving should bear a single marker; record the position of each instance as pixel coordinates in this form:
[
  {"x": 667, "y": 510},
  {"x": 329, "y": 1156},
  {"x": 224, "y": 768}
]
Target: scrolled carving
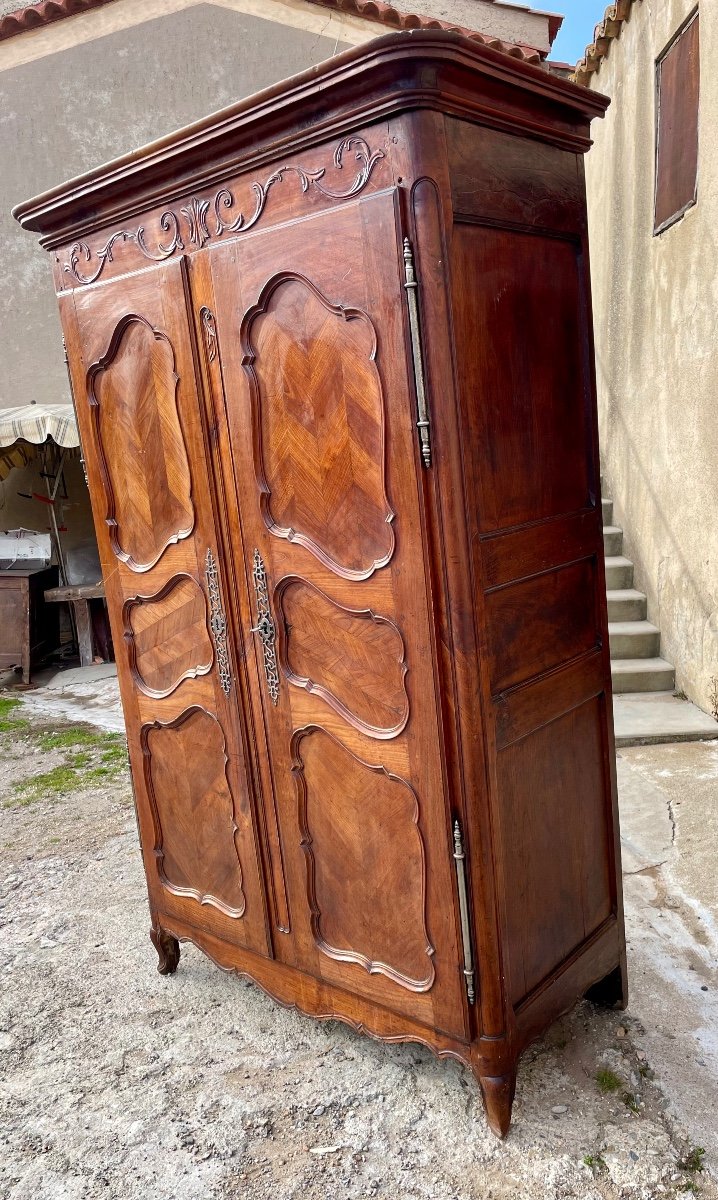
[
  {"x": 197, "y": 209},
  {"x": 195, "y": 214},
  {"x": 209, "y": 329}
]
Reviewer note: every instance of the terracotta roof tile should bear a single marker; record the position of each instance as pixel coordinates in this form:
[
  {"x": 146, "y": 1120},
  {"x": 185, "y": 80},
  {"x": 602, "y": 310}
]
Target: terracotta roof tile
[
  {"x": 47, "y": 11},
  {"x": 605, "y": 32}
]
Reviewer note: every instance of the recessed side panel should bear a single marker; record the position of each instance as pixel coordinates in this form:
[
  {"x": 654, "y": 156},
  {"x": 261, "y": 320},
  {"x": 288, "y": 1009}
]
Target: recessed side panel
[
  {"x": 556, "y": 840},
  {"x": 541, "y": 622},
  {"x": 364, "y": 851},
  {"x": 193, "y": 809},
  {"x": 143, "y": 457},
  {"x": 527, "y": 372}
]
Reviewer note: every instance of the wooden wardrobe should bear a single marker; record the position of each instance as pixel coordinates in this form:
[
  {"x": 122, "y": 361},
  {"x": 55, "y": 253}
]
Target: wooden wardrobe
[{"x": 332, "y": 361}]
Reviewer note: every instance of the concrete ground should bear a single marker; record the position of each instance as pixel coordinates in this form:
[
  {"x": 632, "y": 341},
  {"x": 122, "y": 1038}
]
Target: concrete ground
[{"x": 116, "y": 1082}]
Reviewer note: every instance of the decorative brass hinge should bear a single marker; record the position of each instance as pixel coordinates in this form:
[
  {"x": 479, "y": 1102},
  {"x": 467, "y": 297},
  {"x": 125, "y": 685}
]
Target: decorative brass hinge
[
  {"x": 265, "y": 627},
  {"x": 218, "y": 623},
  {"x": 412, "y": 287},
  {"x": 460, "y": 860}
]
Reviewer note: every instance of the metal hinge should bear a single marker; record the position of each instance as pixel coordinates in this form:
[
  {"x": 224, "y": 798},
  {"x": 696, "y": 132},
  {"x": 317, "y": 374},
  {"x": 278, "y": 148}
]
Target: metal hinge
[
  {"x": 265, "y": 627},
  {"x": 422, "y": 422},
  {"x": 460, "y": 860}
]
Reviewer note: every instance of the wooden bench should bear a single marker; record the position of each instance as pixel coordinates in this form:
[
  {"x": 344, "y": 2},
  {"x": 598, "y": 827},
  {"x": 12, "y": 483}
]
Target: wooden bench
[{"x": 79, "y": 597}]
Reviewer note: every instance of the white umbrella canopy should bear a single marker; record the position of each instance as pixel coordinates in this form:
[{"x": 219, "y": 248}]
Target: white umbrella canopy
[
  {"x": 23, "y": 428},
  {"x": 38, "y": 422}
]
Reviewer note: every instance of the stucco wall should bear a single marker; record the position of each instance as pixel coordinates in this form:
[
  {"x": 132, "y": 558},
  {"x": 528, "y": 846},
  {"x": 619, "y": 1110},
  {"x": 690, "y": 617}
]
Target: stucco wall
[
  {"x": 656, "y": 321},
  {"x": 64, "y": 113}
]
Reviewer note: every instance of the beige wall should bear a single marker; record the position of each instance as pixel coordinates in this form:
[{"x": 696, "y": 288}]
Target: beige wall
[{"x": 656, "y": 322}]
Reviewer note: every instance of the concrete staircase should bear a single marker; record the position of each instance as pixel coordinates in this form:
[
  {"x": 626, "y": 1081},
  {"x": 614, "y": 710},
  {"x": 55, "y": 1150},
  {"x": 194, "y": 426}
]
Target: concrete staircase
[{"x": 636, "y": 664}]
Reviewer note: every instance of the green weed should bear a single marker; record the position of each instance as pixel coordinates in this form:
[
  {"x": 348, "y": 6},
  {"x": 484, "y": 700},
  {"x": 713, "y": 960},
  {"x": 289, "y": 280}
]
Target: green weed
[
  {"x": 692, "y": 1160},
  {"x": 8, "y": 723},
  {"x": 47, "y": 786},
  {"x": 607, "y": 1080}
]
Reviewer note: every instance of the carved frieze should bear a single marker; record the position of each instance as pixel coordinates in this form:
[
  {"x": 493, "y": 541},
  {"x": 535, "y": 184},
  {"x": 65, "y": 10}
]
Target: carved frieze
[{"x": 211, "y": 218}]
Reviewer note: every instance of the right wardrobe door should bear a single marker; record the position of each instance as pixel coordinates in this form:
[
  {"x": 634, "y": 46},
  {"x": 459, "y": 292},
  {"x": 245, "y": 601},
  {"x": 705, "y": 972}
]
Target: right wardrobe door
[{"x": 313, "y": 341}]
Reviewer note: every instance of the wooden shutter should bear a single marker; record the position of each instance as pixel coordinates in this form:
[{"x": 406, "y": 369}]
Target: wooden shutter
[{"x": 677, "y": 97}]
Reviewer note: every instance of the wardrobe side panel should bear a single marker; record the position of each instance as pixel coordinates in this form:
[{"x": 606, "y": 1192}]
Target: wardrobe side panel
[{"x": 523, "y": 342}]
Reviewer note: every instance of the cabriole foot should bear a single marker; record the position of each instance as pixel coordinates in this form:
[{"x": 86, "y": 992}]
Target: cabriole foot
[
  {"x": 168, "y": 950},
  {"x": 498, "y": 1093}
]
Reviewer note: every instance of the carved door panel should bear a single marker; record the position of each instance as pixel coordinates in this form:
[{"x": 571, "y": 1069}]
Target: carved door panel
[
  {"x": 132, "y": 363},
  {"x": 310, "y": 326}
]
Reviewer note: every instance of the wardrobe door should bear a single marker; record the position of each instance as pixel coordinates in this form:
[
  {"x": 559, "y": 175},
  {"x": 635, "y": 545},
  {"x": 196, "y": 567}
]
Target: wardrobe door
[
  {"x": 313, "y": 343},
  {"x": 131, "y": 356}
]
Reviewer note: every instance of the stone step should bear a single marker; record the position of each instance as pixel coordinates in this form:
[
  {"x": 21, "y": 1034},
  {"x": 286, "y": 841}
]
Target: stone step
[
  {"x": 634, "y": 639},
  {"x": 619, "y": 572},
  {"x": 607, "y": 507},
  {"x": 626, "y": 604},
  {"x": 650, "y": 717},
  {"x": 612, "y": 540},
  {"x": 642, "y": 675}
]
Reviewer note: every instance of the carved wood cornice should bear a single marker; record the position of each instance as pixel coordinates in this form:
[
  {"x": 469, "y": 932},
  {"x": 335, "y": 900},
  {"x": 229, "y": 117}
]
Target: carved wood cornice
[{"x": 422, "y": 69}]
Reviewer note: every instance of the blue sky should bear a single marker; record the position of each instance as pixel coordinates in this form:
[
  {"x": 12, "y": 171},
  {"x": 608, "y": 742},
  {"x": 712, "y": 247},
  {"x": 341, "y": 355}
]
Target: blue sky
[{"x": 579, "y": 18}]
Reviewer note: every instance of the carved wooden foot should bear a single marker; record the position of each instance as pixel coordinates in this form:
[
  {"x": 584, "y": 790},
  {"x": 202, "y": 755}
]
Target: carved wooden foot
[
  {"x": 498, "y": 1093},
  {"x": 611, "y": 991},
  {"x": 168, "y": 950}
]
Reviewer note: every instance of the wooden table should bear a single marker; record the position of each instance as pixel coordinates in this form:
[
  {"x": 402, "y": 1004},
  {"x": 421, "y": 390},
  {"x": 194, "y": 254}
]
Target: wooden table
[
  {"x": 29, "y": 629},
  {"x": 79, "y": 596}
]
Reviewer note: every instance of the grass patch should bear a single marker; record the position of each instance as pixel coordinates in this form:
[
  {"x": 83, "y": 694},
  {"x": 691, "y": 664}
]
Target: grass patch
[
  {"x": 47, "y": 786},
  {"x": 607, "y": 1080},
  {"x": 8, "y": 723},
  {"x": 93, "y": 757},
  {"x": 77, "y": 735},
  {"x": 692, "y": 1160},
  {"x": 596, "y": 1162},
  {"x": 115, "y": 755}
]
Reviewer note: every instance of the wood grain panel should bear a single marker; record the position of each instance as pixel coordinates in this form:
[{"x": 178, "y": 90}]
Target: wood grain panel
[
  {"x": 541, "y": 622},
  {"x": 318, "y": 425},
  {"x": 193, "y": 809},
  {"x": 493, "y": 177},
  {"x": 539, "y": 546},
  {"x": 364, "y": 851},
  {"x": 352, "y": 658},
  {"x": 167, "y": 636},
  {"x": 556, "y": 845},
  {"x": 132, "y": 391},
  {"x": 520, "y": 323}
]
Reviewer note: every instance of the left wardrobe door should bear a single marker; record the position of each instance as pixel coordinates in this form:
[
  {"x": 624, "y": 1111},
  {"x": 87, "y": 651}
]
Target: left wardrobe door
[{"x": 130, "y": 347}]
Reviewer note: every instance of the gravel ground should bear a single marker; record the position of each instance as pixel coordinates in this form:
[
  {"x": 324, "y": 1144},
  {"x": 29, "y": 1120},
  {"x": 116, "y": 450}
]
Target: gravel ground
[{"x": 119, "y": 1083}]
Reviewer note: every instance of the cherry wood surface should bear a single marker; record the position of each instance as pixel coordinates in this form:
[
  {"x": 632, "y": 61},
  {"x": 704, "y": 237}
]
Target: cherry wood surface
[{"x": 364, "y": 664}]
